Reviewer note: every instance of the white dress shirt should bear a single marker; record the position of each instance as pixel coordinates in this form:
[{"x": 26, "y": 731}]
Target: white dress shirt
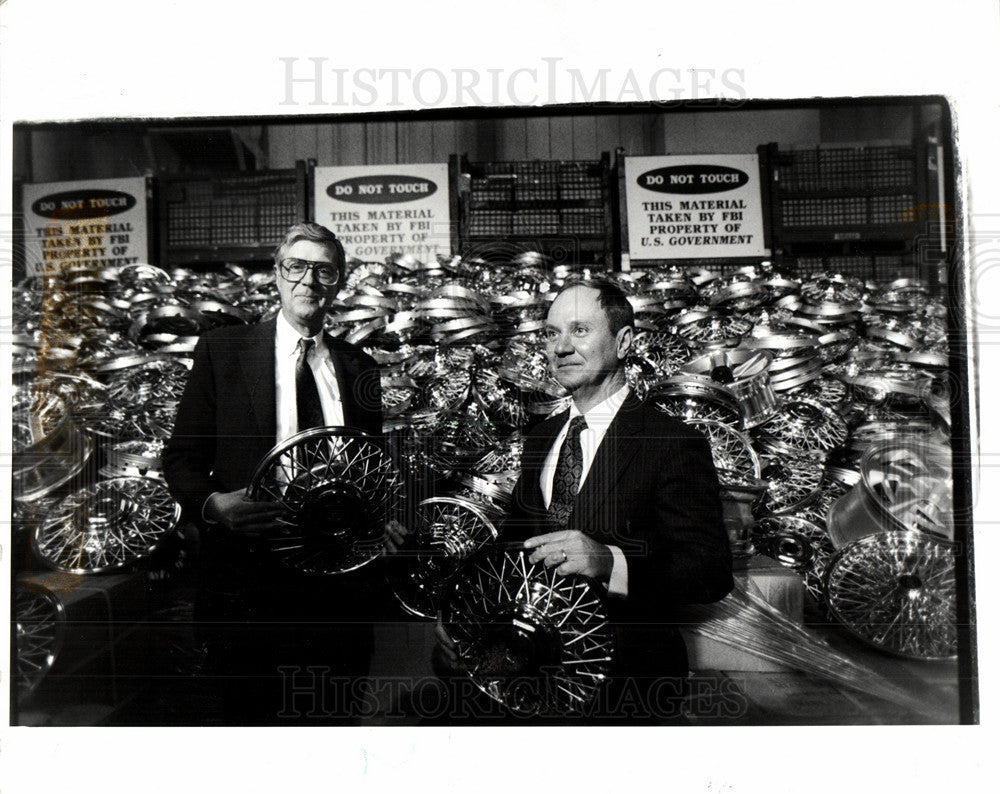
[
  {"x": 598, "y": 419},
  {"x": 286, "y": 353}
]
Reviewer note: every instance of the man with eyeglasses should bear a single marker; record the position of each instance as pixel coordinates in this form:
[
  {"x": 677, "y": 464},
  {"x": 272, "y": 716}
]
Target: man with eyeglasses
[{"x": 250, "y": 388}]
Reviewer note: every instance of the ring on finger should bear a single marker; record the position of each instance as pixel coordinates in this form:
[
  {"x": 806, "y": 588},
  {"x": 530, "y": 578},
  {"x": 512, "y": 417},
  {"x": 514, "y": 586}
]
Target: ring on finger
[{"x": 564, "y": 554}]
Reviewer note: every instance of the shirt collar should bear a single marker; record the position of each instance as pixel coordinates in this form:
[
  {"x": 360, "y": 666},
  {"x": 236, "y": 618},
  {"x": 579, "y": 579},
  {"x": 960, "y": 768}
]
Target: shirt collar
[
  {"x": 602, "y": 414},
  {"x": 286, "y": 338}
]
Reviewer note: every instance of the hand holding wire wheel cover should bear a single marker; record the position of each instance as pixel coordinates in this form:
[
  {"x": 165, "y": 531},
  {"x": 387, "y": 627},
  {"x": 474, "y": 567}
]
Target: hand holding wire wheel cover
[
  {"x": 896, "y": 591},
  {"x": 447, "y": 531},
  {"x": 340, "y": 487},
  {"x": 533, "y": 640}
]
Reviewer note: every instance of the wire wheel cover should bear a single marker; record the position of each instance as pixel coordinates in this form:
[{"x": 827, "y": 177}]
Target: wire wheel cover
[
  {"x": 38, "y": 635},
  {"x": 531, "y": 639},
  {"x": 792, "y": 482},
  {"x": 805, "y": 426},
  {"x": 689, "y": 399},
  {"x": 732, "y": 452},
  {"x": 140, "y": 401},
  {"x": 338, "y": 485},
  {"x": 715, "y": 329},
  {"x": 798, "y": 544},
  {"x": 446, "y": 533},
  {"x": 108, "y": 525},
  {"x": 896, "y": 591},
  {"x": 37, "y": 416}
]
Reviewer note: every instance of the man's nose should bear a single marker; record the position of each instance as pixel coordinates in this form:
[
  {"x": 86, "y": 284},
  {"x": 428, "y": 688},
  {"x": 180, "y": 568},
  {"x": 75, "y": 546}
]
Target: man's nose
[
  {"x": 309, "y": 277},
  {"x": 562, "y": 345}
]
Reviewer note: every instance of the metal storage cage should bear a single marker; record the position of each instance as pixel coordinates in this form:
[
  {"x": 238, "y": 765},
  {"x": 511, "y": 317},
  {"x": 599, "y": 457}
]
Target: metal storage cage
[
  {"x": 855, "y": 210},
  {"x": 239, "y": 218},
  {"x": 561, "y": 208}
]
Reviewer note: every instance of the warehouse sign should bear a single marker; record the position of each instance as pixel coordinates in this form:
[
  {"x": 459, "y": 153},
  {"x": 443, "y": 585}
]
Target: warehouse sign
[
  {"x": 97, "y": 223},
  {"x": 694, "y": 207},
  {"x": 378, "y": 211}
]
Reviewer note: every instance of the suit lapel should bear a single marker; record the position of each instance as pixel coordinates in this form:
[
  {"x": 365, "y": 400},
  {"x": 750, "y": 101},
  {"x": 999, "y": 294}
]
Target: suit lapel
[
  {"x": 536, "y": 448},
  {"x": 616, "y": 451},
  {"x": 258, "y": 376},
  {"x": 346, "y": 370}
]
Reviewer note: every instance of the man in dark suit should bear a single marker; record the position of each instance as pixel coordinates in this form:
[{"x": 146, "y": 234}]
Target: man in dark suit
[
  {"x": 250, "y": 388},
  {"x": 617, "y": 491}
]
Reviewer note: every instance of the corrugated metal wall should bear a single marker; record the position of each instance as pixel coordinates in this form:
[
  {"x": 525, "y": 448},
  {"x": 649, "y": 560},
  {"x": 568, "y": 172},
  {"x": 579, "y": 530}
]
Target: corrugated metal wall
[
  {"x": 536, "y": 138},
  {"x": 73, "y": 152}
]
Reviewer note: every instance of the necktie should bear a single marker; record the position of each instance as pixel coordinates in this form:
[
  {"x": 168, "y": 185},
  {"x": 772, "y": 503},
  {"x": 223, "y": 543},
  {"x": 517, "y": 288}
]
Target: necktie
[
  {"x": 569, "y": 470},
  {"x": 310, "y": 411}
]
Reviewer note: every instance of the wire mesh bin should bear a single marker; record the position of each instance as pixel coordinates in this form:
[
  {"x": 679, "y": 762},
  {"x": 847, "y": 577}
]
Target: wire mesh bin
[
  {"x": 487, "y": 192},
  {"x": 533, "y": 222},
  {"x": 208, "y": 217},
  {"x": 858, "y": 169},
  {"x": 583, "y": 220},
  {"x": 870, "y": 267},
  {"x": 537, "y": 201},
  {"x": 490, "y": 223},
  {"x": 801, "y": 213},
  {"x": 827, "y": 191}
]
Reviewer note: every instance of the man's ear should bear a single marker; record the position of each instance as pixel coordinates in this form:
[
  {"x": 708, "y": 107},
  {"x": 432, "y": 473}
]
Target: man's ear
[{"x": 624, "y": 339}]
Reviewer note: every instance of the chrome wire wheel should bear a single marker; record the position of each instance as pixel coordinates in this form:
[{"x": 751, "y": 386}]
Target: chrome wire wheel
[
  {"x": 824, "y": 390},
  {"x": 661, "y": 353},
  {"x": 38, "y": 635},
  {"x": 533, "y": 640},
  {"x": 714, "y": 329},
  {"x": 447, "y": 531},
  {"x": 460, "y": 436},
  {"x": 140, "y": 400},
  {"x": 106, "y": 526},
  {"x": 449, "y": 390},
  {"x": 339, "y": 488},
  {"x": 501, "y": 399},
  {"x": 896, "y": 591},
  {"x": 798, "y": 544},
  {"x": 834, "y": 290},
  {"x": 689, "y": 399},
  {"x": 803, "y": 427},
  {"x": 792, "y": 483},
  {"x": 38, "y": 415},
  {"x": 154, "y": 379},
  {"x": 732, "y": 452}
]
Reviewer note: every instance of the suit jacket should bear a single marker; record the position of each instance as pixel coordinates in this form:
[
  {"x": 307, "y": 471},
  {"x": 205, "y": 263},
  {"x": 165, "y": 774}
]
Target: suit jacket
[
  {"x": 226, "y": 424},
  {"x": 226, "y": 421},
  {"x": 652, "y": 490}
]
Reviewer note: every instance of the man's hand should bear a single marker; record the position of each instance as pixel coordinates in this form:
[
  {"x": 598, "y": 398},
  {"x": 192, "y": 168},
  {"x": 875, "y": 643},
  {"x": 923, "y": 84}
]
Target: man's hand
[
  {"x": 445, "y": 656},
  {"x": 241, "y": 515},
  {"x": 572, "y": 552},
  {"x": 395, "y": 536}
]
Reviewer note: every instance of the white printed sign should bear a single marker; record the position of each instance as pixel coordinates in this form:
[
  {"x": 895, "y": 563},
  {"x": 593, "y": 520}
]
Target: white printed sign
[
  {"x": 694, "y": 207},
  {"x": 95, "y": 223},
  {"x": 380, "y": 210}
]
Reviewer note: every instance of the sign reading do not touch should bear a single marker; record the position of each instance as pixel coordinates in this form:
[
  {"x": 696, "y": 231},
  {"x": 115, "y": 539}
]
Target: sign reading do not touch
[
  {"x": 694, "y": 207},
  {"x": 378, "y": 211}
]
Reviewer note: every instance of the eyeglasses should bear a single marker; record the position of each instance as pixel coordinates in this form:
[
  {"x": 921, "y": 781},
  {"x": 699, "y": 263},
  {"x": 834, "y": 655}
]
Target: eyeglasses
[{"x": 325, "y": 273}]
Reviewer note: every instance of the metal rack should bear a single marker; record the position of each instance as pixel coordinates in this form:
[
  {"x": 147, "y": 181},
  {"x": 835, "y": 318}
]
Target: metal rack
[
  {"x": 561, "y": 208},
  {"x": 848, "y": 209},
  {"x": 239, "y": 218}
]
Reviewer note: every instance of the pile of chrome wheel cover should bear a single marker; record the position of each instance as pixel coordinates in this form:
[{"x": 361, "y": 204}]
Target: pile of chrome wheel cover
[{"x": 806, "y": 376}]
